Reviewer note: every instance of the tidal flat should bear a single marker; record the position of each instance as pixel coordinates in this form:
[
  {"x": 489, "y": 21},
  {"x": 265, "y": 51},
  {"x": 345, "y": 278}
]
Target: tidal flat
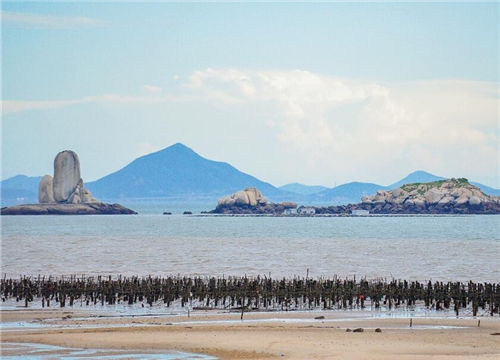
[
  {"x": 436, "y": 248},
  {"x": 206, "y": 335}
]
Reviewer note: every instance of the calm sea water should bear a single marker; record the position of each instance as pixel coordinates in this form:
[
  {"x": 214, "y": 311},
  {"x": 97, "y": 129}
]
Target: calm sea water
[{"x": 438, "y": 248}]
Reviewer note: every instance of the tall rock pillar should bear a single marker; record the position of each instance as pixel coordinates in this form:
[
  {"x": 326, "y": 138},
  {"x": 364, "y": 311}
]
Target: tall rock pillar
[{"x": 66, "y": 175}]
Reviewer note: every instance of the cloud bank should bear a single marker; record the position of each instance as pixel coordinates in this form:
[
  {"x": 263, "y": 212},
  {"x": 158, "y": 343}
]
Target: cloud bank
[
  {"x": 333, "y": 125},
  {"x": 438, "y": 124},
  {"x": 41, "y": 21}
]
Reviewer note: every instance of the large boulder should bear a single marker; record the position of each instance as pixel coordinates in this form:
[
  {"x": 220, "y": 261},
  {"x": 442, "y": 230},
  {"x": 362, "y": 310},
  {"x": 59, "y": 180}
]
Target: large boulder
[
  {"x": 87, "y": 197},
  {"x": 461, "y": 200},
  {"x": 45, "y": 191},
  {"x": 67, "y": 186},
  {"x": 433, "y": 196},
  {"x": 474, "y": 200},
  {"x": 66, "y": 175},
  {"x": 249, "y": 196}
]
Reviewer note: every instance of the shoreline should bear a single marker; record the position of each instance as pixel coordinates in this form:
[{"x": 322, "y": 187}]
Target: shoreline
[
  {"x": 260, "y": 335},
  {"x": 326, "y": 215}
]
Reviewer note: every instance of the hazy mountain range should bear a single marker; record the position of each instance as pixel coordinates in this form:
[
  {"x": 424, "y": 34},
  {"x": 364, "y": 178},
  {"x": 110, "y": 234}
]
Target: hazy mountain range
[{"x": 177, "y": 173}]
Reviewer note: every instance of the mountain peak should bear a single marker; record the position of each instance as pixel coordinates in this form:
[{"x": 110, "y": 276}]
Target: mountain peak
[
  {"x": 420, "y": 173},
  {"x": 177, "y": 147},
  {"x": 177, "y": 150},
  {"x": 418, "y": 176},
  {"x": 176, "y": 171}
]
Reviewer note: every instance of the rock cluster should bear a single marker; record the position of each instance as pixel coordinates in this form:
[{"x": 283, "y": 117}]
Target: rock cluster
[
  {"x": 66, "y": 187},
  {"x": 250, "y": 201},
  {"x": 64, "y": 193},
  {"x": 453, "y": 196},
  {"x": 45, "y": 190},
  {"x": 250, "y": 196},
  {"x": 442, "y": 193}
]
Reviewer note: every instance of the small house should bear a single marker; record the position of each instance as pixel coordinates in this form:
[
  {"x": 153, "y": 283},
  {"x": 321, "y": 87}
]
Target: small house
[
  {"x": 290, "y": 211},
  {"x": 360, "y": 212},
  {"x": 307, "y": 210}
]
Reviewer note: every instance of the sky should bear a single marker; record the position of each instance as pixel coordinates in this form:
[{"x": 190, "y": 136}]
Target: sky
[{"x": 322, "y": 93}]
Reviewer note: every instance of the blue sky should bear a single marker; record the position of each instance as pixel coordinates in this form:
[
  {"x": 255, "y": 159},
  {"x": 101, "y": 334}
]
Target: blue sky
[{"x": 317, "y": 93}]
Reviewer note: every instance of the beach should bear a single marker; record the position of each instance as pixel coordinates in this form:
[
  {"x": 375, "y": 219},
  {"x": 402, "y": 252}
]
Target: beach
[{"x": 260, "y": 335}]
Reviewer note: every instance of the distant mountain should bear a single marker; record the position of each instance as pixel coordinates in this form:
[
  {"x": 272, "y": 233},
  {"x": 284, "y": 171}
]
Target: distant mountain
[
  {"x": 353, "y": 191},
  {"x": 19, "y": 189},
  {"x": 184, "y": 177},
  {"x": 24, "y": 182},
  {"x": 346, "y": 193},
  {"x": 486, "y": 189},
  {"x": 303, "y": 189},
  {"x": 178, "y": 172},
  {"x": 415, "y": 177}
]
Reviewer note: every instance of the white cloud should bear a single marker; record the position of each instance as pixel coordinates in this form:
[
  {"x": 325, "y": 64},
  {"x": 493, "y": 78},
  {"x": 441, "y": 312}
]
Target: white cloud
[
  {"x": 13, "y": 106},
  {"x": 152, "y": 89},
  {"x": 340, "y": 129},
  {"x": 446, "y": 126},
  {"x": 48, "y": 21}
]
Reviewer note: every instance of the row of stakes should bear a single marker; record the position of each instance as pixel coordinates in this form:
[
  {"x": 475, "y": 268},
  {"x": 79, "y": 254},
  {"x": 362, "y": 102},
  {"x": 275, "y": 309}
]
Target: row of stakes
[{"x": 253, "y": 293}]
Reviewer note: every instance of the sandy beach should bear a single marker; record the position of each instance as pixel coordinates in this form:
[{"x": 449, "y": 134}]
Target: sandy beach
[{"x": 294, "y": 335}]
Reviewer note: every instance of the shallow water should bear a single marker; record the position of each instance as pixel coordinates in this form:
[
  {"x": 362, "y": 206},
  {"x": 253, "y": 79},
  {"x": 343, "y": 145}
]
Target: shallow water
[
  {"x": 41, "y": 351},
  {"x": 423, "y": 247}
]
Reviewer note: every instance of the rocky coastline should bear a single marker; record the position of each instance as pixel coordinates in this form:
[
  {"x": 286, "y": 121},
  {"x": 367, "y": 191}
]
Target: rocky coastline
[
  {"x": 452, "y": 196},
  {"x": 249, "y": 201},
  {"x": 245, "y": 209},
  {"x": 96, "y": 208},
  {"x": 398, "y": 209}
]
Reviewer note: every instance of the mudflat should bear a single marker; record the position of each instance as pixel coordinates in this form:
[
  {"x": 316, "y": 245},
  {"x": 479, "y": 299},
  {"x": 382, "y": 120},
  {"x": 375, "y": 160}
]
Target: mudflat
[{"x": 295, "y": 335}]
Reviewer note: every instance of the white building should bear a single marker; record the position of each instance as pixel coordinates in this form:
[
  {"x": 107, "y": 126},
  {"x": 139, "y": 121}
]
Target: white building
[
  {"x": 360, "y": 212},
  {"x": 307, "y": 210},
  {"x": 290, "y": 211}
]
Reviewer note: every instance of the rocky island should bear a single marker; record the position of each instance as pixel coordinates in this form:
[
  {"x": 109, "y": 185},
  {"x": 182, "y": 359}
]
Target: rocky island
[
  {"x": 64, "y": 193},
  {"x": 250, "y": 201},
  {"x": 452, "y": 196}
]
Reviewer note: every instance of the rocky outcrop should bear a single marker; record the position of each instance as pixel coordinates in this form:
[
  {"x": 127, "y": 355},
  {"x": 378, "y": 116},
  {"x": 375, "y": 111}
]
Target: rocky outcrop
[
  {"x": 96, "y": 208},
  {"x": 67, "y": 186},
  {"x": 250, "y": 201},
  {"x": 453, "y": 196},
  {"x": 249, "y": 196},
  {"x": 66, "y": 175},
  {"x": 444, "y": 193},
  {"x": 45, "y": 190},
  {"x": 81, "y": 195},
  {"x": 64, "y": 194}
]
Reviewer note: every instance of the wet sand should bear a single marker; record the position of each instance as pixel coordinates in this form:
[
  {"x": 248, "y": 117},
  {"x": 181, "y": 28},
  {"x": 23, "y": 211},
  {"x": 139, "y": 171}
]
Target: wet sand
[{"x": 294, "y": 335}]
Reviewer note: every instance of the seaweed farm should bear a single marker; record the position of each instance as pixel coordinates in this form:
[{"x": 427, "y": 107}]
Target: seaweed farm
[{"x": 253, "y": 293}]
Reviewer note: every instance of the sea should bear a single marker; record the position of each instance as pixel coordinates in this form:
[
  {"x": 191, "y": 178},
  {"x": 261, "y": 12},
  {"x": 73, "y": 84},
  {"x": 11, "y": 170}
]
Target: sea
[{"x": 443, "y": 248}]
